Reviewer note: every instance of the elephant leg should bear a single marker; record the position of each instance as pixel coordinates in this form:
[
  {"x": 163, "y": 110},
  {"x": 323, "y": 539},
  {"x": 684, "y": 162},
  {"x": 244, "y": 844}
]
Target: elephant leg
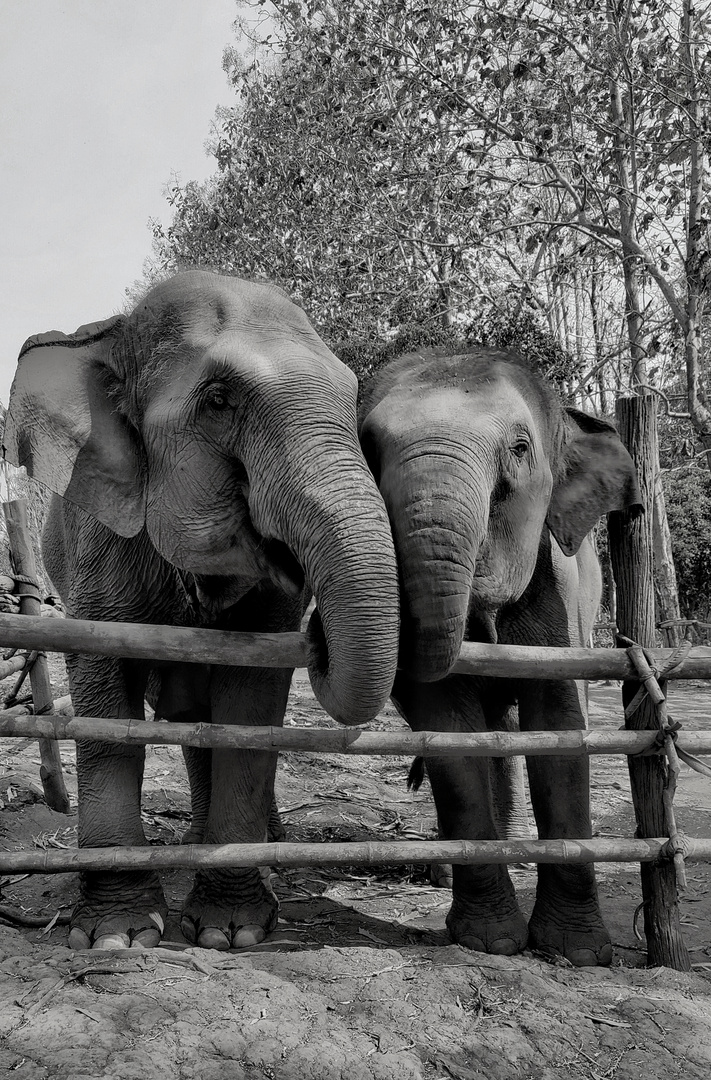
[
  {"x": 183, "y": 696},
  {"x": 566, "y": 918},
  {"x": 116, "y": 909},
  {"x": 510, "y": 802},
  {"x": 509, "y": 799},
  {"x": 198, "y": 763},
  {"x": 236, "y": 908},
  {"x": 484, "y": 915}
]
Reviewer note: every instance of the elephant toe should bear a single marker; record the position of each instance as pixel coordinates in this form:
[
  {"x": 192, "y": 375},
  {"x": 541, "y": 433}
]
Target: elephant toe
[
  {"x": 112, "y": 941},
  {"x": 501, "y": 946},
  {"x": 78, "y": 939},
  {"x": 469, "y": 941},
  {"x": 211, "y": 937},
  {"x": 188, "y": 929},
  {"x": 146, "y": 939},
  {"x": 248, "y": 935},
  {"x": 587, "y": 958}
]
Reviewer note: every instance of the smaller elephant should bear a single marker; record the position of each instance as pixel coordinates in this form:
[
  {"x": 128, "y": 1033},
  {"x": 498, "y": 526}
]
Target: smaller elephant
[{"x": 492, "y": 488}]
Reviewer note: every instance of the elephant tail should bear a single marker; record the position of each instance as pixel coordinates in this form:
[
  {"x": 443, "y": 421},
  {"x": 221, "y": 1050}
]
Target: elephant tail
[{"x": 416, "y": 774}]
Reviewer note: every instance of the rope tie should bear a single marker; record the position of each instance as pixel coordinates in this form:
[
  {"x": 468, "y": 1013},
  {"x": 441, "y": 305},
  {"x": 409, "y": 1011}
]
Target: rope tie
[
  {"x": 677, "y": 846},
  {"x": 22, "y": 579}
]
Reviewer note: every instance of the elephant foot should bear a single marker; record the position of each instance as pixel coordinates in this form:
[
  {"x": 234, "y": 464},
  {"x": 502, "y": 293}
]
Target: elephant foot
[
  {"x": 118, "y": 911},
  {"x": 568, "y": 926},
  {"x": 230, "y": 914},
  {"x": 488, "y": 920}
]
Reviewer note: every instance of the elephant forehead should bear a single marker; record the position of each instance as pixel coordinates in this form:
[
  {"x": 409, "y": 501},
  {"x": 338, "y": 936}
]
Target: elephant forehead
[
  {"x": 494, "y": 409},
  {"x": 254, "y": 360},
  {"x": 214, "y": 301},
  {"x": 264, "y": 351}
]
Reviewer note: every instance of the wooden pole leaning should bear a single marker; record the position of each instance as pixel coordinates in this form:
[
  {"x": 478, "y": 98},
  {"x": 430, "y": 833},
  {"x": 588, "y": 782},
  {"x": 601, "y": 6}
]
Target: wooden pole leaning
[{"x": 23, "y": 561}]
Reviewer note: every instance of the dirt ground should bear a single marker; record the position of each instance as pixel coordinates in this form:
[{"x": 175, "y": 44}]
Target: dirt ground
[{"x": 359, "y": 980}]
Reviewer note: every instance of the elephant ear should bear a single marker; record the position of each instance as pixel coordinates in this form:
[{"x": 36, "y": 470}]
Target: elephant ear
[
  {"x": 596, "y": 477},
  {"x": 64, "y": 427}
]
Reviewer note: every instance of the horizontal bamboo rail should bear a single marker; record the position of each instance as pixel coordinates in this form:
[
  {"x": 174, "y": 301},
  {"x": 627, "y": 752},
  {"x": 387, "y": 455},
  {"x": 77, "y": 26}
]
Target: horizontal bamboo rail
[
  {"x": 344, "y": 740},
  {"x": 471, "y": 852},
  {"x": 189, "y": 644}
]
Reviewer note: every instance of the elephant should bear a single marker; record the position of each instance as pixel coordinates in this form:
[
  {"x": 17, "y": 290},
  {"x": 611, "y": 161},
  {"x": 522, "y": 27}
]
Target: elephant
[
  {"x": 204, "y": 456},
  {"x": 492, "y": 488}
]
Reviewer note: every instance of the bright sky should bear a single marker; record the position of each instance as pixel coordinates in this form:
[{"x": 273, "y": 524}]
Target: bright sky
[{"x": 102, "y": 101}]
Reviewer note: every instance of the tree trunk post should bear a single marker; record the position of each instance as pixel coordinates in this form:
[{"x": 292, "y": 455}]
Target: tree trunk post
[
  {"x": 631, "y": 551},
  {"x": 23, "y": 561}
]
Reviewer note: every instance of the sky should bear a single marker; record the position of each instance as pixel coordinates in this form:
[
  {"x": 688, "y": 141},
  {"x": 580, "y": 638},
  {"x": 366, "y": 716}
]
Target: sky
[{"x": 102, "y": 102}]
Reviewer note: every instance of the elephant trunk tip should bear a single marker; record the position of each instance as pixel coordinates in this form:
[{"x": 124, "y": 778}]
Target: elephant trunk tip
[
  {"x": 428, "y": 656},
  {"x": 353, "y": 701}
]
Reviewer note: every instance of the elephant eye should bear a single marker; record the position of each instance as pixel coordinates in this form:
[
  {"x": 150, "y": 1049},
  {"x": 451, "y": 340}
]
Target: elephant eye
[
  {"x": 217, "y": 398},
  {"x": 520, "y": 448}
]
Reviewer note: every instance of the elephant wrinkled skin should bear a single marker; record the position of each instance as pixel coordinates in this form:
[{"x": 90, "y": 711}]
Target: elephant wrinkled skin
[
  {"x": 206, "y": 451},
  {"x": 491, "y": 488}
]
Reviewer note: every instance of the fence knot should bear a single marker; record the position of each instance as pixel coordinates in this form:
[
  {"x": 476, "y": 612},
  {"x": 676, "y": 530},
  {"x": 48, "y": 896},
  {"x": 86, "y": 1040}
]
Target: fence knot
[
  {"x": 670, "y": 729},
  {"x": 23, "y": 579},
  {"x": 678, "y": 844}
]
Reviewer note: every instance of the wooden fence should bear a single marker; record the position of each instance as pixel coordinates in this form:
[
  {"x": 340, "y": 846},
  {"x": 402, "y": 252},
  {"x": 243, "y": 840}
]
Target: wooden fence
[{"x": 270, "y": 650}]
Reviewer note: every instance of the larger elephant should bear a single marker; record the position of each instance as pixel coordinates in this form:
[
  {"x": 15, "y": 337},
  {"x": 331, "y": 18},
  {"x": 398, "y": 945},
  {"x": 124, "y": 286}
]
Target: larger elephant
[
  {"x": 206, "y": 452},
  {"x": 492, "y": 487}
]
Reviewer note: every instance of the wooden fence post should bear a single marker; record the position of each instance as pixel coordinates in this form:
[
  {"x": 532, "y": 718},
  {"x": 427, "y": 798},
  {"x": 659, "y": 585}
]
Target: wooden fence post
[
  {"x": 23, "y": 561},
  {"x": 631, "y": 552}
]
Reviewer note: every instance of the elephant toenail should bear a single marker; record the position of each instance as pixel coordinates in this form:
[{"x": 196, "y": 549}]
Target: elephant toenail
[
  {"x": 589, "y": 958},
  {"x": 78, "y": 939},
  {"x": 213, "y": 938},
  {"x": 248, "y": 935},
  {"x": 112, "y": 941},
  {"x": 474, "y": 943},
  {"x": 504, "y": 947},
  {"x": 188, "y": 929},
  {"x": 146, "y": 939}
]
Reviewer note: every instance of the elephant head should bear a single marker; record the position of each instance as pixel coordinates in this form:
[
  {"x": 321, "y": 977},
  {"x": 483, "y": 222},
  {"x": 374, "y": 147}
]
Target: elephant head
[
  {"x": 475, "y": 456},
  {"x": 214, "y": 417}
]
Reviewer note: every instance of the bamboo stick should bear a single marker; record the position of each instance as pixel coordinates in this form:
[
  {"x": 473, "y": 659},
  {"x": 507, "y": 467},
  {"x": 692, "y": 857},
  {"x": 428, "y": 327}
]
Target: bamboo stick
[
  {"x": 342, "y": 740},
  {"x": 62, "y": 707},
  {"x": 9, "y": 667},
  {"x": 23, "y": 560},
  {"x": 471, "y": 852},
  {"x": 190, "y": 644}
]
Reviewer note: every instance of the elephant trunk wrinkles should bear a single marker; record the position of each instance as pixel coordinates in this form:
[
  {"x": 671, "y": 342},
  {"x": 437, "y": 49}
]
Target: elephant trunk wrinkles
[
  {"x": 439, "y": 528},
  {"x": 336, "y": 525}
]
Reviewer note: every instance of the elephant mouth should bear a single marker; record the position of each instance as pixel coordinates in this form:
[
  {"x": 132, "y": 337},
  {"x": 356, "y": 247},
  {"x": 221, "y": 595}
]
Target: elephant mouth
[
  {"x": 481, "y": 626},
  {"x": 283, "y": 567}
]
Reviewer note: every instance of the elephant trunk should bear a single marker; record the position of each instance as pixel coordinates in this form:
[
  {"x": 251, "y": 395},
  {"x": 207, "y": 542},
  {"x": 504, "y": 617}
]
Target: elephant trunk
[
  {"x": 439, "y": 507},
  {"x": 334, "y": 522}
]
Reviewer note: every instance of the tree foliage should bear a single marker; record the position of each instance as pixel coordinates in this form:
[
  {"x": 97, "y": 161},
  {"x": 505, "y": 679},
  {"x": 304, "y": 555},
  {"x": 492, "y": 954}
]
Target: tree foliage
[{"x": 688, "y": 500}]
